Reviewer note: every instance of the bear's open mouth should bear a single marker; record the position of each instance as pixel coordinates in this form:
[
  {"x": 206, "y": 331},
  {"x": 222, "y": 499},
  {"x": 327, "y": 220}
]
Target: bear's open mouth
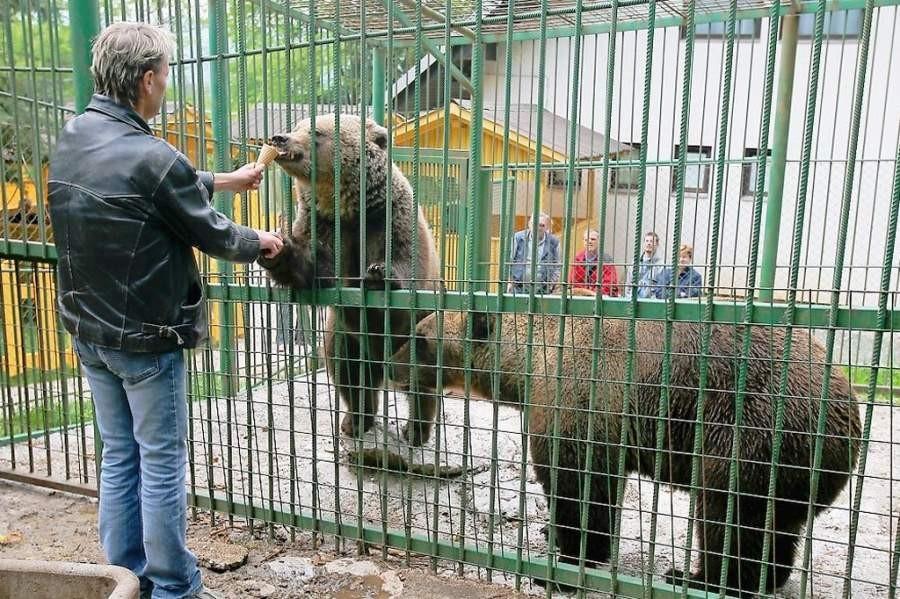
[{"x": 286, "y": 156}]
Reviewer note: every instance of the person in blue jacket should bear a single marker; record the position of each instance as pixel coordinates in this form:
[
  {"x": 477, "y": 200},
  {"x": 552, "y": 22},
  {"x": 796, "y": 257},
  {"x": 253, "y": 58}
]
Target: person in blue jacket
[
  {"x": 548, "y": 266},
  {"x": 689, "y": 282}
]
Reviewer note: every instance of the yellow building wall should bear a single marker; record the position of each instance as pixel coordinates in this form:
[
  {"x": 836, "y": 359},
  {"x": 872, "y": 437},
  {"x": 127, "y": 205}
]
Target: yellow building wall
[
  {"x": 41, "y": 344},
  {"x": 14, "y": 192},
  {"x": 522, "y": 151}
]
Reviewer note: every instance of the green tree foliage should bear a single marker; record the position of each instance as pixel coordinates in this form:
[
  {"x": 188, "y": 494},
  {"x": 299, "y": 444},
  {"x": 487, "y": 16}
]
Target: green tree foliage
[
  {"x": 34, "y": 43},
  {"x": 346, "y": 80}
]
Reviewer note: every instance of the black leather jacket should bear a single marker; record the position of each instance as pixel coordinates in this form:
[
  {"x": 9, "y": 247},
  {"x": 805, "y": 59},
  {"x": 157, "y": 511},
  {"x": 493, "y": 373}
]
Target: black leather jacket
[{"x": 126, "y": 208}]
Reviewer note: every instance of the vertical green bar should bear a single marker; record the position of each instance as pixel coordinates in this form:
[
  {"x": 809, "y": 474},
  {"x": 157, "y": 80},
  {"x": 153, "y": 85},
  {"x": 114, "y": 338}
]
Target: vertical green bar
[
  {"x": 475, "y": 190},
  {"x": 847, "y": 197},
  {"x": 663, "y": 413},
  {"x": 482, "y": 249},
  {"x": 794, "y": 273},
  {"x": 84, "y": 16},
  {"x": 218, "y": 44},
  {"x": 378, "y": 61},
  {"x": 779, "y": 155},
  {"x": 713, "y": 261},
  {"x": 732, "y": 528},
  {"x": 462, "y": 211},
  {"x": 628, "y": 389}
]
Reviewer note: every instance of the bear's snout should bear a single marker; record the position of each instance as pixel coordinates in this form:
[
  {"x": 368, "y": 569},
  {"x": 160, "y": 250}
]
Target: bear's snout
[{"x": 287, "y": 148}]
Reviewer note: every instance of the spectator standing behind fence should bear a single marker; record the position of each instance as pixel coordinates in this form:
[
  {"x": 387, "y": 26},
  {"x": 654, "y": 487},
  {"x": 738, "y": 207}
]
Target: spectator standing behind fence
[
  {"x": 650, "y": 268},
  {"x": 127, "y": 209},
  {"x": 548, "y": 266},
  {"x": 689, "y": 281},
  {"x": 586, "y": 267}
]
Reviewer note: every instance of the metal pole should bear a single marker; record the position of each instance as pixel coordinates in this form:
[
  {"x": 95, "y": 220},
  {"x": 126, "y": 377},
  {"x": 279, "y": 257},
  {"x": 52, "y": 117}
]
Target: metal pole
[
  {"x": 84, "y": 17},
  {"x": 218, "y": 45},
  {"x": 779, "y": 155},
  {"x": 482, "y": 253},
  {"x": 379, "y": 58},
  {"x": 85, "y": 22},
  {"x": 445, "y": 58}
]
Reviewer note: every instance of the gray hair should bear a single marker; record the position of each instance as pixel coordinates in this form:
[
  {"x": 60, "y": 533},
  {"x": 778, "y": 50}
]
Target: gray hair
[
  {"x": 542, "y": 216},
  {"x": 122, "y": 53}
]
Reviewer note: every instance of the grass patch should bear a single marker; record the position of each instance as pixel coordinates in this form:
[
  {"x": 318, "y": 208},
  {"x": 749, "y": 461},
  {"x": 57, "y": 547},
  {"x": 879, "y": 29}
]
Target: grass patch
[
  {"x": 887, "y": 377},
  {"x": 40, "y": 417},
  {"x": 34, "y": 376},
  {"x": 40, "y": 414}
]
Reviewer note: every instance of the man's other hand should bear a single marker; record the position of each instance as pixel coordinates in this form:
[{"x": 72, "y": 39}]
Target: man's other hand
[{"x": 270, "y": 244}]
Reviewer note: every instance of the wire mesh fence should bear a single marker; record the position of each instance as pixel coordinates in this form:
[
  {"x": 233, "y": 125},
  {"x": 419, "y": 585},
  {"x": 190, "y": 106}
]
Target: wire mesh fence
[{"x": 604, "y": 292}]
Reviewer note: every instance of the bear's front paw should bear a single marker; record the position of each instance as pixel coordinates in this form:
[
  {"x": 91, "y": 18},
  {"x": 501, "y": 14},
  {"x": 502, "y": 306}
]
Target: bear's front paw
[
  {"x": 375, "y": 277},
  {"x": 375, "y": 272},
  {"x": 674, "y": 576},
  {"x": 269, "y": 263},
  {"x": 417, "y": 432}
]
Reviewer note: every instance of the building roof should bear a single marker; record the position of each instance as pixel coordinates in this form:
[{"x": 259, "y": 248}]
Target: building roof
[
  {"x": 428, "y": 61},
  {"x": 412, "y": 74},
  {"x": 523, "y": 120},
  {"x": 527, "y": 14}
]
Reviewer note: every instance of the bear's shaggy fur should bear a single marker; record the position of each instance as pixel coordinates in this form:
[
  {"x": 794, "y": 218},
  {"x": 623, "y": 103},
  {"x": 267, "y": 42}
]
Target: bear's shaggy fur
[
  {"x": 300, "y": 265},
  {"x": 792, "y": 492}
]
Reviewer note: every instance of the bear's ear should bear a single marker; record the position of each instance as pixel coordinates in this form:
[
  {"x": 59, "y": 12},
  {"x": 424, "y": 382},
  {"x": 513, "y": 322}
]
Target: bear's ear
[
  {"x": 377, "y": 134},
  {"x": 482, "y": 325}
]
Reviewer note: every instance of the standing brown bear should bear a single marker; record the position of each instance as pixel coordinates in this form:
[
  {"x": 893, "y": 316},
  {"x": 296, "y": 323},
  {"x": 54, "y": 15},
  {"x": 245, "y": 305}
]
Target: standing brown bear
[
  {"x": 300, "y": 265},
  {"x": 792, "y": 491}
]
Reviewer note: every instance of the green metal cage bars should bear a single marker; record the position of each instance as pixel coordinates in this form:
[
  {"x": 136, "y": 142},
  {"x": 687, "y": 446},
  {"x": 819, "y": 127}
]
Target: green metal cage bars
[{"x": 258, "y": 67}]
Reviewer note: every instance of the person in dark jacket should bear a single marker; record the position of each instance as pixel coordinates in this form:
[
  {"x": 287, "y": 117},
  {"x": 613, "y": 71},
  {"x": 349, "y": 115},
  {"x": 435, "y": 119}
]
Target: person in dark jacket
[
  {"x": 126, "y": 210},
  {"x": 546, "y": 275},
  {"x": 687, "y": 283}
]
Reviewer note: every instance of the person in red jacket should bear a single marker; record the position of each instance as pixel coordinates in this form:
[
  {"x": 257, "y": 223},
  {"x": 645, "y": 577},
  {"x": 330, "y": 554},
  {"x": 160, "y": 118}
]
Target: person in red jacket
[{"x": 585, "y": 269}]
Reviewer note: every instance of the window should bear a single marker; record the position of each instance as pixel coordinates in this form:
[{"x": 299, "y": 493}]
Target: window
[
  {"x": 623, "y": 178},
  {"x": 750, "y": 171},
  {"x": 837, "y": 24},
  {"x": 746, "y": 28},
  {"x": 558, "y": 177},
  {"x": 490, "y": 51},
  {"x": 696, "y": 176}
]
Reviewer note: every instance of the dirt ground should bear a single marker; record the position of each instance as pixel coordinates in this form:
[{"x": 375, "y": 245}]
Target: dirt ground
[{"x": 37, "y": 523}]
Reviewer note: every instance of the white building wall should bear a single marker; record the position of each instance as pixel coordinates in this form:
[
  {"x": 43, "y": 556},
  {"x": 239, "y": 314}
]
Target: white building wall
[{"x": 878, "y": 139}]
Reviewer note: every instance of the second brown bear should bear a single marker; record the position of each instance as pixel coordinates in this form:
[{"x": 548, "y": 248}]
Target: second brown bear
[{"x": 582, "y": 409}]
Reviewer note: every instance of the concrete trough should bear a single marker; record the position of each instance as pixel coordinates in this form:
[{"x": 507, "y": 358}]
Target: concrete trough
[{"x": 38, "y": 579}]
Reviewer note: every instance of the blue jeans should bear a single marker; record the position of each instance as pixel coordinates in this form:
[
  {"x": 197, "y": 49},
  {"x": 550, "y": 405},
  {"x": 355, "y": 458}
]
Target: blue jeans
[{"x": 141, "y": 410}]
